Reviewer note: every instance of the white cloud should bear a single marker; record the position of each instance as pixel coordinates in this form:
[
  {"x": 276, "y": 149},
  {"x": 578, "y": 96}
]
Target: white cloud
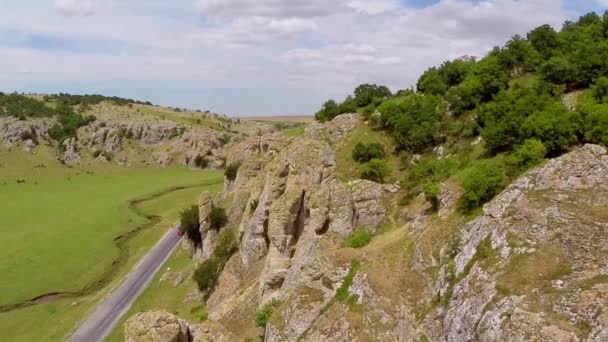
[
  {"x": 314, "y": 48},
  {"x": 75, "y": 7}
]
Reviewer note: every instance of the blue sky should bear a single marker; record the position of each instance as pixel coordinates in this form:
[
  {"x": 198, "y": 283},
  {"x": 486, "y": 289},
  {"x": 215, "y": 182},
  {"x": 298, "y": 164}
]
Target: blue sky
[{"x": 251, "y": 57}]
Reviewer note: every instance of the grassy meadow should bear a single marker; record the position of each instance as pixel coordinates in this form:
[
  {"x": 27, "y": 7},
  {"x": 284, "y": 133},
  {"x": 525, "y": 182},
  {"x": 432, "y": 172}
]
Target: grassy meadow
[{"x": 58, "y": 228}]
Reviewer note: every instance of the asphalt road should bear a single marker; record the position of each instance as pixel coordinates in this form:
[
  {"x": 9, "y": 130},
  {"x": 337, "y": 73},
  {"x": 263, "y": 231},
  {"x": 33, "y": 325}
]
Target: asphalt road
[{"x": 103, "y": 320}]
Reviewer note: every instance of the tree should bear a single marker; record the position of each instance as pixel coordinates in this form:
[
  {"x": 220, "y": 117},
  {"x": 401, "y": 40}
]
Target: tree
[
  {"x": 481, "y": 183},
  {"x": 600, "y": 89},
  {"x": 329, "y": 111},
  {"x": 432, "y": 82},
  {"x": 555, "y": 127},
  {"x": 431, "y": 193},
  {"x": 544, "y": 40},
  {"x": 595, "y": 123},
  {"x": 232, "y": 170},
  {"x": 529, "y": 154},
  {"x": 366, "y": 93},
  {"x": 218, "y": 218},
  {"x": 559, "y": 70},
  {"x": 518, "y": 54},
  {"x": 189, "y": 223}
]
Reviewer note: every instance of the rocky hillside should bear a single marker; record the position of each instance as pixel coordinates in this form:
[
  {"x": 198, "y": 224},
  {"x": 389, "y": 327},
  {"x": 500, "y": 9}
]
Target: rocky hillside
[
  {"x": 531, "y": 266},
  {"x": 130, "y": 133}
]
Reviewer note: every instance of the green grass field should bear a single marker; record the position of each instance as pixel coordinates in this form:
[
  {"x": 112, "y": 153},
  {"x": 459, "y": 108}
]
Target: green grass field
[{"x": 58, "y": 228}]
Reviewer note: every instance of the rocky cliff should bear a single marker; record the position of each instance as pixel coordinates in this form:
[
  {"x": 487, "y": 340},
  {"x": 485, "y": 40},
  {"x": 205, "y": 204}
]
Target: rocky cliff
[
  {"x": 532, "y": 267},
  {"x": 136, "y": 134}
]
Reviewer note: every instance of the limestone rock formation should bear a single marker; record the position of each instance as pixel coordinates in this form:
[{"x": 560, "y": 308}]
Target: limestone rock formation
[
  {"x": 161, "y": 326},
  {"x": 532, "y": 267},
  {"x": 156, "y": 326},
  {"x": 70, "y": 154}
]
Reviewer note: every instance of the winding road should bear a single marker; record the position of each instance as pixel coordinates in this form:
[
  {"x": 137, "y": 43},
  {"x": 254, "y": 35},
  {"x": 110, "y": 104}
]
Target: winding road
[{"x": 105, "y": 316}]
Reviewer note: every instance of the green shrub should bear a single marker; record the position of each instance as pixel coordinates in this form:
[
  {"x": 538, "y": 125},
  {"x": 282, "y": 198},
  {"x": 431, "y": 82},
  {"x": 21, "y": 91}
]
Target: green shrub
[
  {"x": 595, "y": 123},
  {"x": 342, "y": 293},
  {"x": 377, "y": 170},
  {"x": 366, "y": 152},
  {"x": 190, "y": 224},
  {"x": 531, "y": 153},
  {"x": 232, "y": 170},
  {"x": 600, "y": 89},
  {"x": 218, "y": 218},
  {"x": 262, "y": 316},
  {"x": 207, "y": 273},
  {"x": 431, "y": 193},
  {"x": 481, "y": 183},
  {"x": 359, "y": 238}
]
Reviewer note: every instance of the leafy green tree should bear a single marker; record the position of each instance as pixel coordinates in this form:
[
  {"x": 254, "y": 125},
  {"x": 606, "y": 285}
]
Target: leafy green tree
[
  {"x": 432, "y": 82},
  {"x": 519, "y": 54},
  {"x": 595, "y": 123},
  {"x": 532, "y": 152},
  {"x": 412, "y": 121},
  {"x": 218, "y": 218},
  {"x": 555, "y": 127},
  {"x": 600, "y": 89},
  {"x": 559, "y": 70},
  {"x": 481, "y": 183},
  {"x": 329, "y": 111},
  {"x": 544, "y": 40},
  {"x": 366, "y": 93},
  {"x": 232, "y": 170},
  {"x": 190, "y": 224}
]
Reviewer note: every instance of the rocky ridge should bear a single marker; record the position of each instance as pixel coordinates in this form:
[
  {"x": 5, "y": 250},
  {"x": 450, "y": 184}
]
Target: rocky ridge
[{"x": 531, "y": 267}]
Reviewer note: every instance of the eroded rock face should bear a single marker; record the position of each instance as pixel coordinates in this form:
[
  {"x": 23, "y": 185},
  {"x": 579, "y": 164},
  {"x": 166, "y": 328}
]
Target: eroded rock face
[
  {"x": 70, "y": 154},
  {"x": 532, "y": 267},
  {"x": 157, "y": 326},
  {"x": 549, "y": 230},
  {"x": 161, "y": 326},
  {"x": 333, "y": 131},
  {"x": 13, "y": 130}
]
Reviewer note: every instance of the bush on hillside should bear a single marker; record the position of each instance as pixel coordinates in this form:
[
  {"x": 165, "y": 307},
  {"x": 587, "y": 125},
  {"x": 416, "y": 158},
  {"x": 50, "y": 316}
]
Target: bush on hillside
[
  {"x": 207, "y": 273},
  {"x": 377, "y": 170},
  {"x": 431, "y": 192},
  {"x": 218, "y": 218},
  {"x": 232, "y": 170},
  {"x": 366, "y": 152},
  {"x": 555, "y": 127},
  {"x": 262, "y": 316},
  {"x": 481, "y": 183},
  {"x": 530, "y": 154},
  {"x": 190, "y": 224},
  {"x": 359, "y": 238},
  {"x": 595, "y": 123}
]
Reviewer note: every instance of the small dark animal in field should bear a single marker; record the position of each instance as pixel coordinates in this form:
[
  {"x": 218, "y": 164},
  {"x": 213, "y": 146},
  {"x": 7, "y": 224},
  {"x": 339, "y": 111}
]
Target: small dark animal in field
[{"x": 20, "y": 181}]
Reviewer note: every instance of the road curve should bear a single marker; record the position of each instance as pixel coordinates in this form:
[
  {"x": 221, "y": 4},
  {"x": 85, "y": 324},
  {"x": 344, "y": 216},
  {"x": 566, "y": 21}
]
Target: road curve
[{"x": 101, "y": 321}]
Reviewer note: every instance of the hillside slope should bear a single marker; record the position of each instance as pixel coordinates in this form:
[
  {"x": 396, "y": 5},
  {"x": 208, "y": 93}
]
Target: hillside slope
[{"x": 531, "y": 267}]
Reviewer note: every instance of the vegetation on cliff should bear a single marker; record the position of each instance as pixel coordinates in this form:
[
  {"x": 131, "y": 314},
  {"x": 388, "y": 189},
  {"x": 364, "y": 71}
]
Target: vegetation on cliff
[{"x": 535, "y": 96}]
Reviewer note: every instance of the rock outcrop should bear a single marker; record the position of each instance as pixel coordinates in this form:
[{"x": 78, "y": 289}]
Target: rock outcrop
[
  {"x": 161, "y": 326},
  {"x": 532, "y": 267}
]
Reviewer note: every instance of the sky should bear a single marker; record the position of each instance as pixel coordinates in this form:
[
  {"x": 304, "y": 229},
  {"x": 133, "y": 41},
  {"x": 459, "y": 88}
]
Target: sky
[{"x": 251, "y": 57}]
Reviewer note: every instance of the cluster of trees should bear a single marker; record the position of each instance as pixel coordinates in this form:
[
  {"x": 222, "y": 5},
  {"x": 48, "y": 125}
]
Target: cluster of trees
[
  {"x": 22, "y": 107},
  {"x": 90, "y": 99},
  {"x": 365, "y": 95},
  {"x": 513, "y": 98}
]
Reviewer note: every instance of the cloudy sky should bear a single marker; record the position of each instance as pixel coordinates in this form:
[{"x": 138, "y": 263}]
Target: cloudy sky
[{"x": 251, "y": 57}]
